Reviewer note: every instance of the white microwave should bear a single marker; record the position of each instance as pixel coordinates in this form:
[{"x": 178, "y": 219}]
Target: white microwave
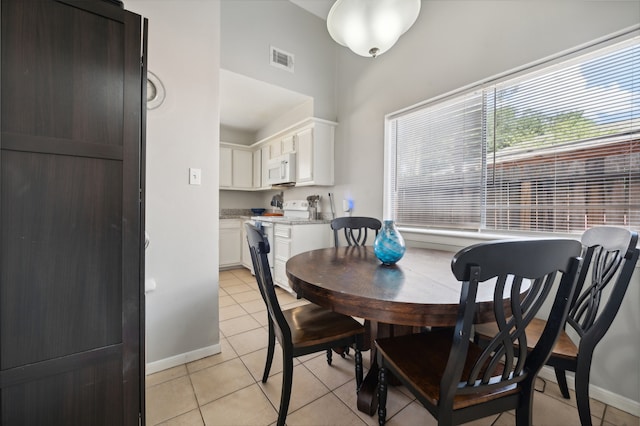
[{"x": 282, "y": 170}]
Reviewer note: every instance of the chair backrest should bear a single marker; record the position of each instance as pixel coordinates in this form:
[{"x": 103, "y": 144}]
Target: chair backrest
[
  {"x": 523, "y": 274},
  {"x": 611, "y": 256},
  {"x": 355, "y": 229},
  {"x": 259, "y": 248}
]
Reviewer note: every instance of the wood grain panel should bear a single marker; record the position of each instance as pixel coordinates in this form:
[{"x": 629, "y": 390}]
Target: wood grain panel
[{"x": 61, "y": 256}]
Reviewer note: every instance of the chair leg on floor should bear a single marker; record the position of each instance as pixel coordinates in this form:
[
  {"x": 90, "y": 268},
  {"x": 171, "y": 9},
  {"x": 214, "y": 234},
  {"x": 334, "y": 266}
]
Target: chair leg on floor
[
  {"x": 582, "y": 392},
  {"x": 287, "y": 381},
  {"x": 382, "y": 396},
  {"x": 561, "y": 376},
  {"x": 359, "y": 372},
  {"x": 329, "y": 356},
  {"x": 270, "y": 349}
]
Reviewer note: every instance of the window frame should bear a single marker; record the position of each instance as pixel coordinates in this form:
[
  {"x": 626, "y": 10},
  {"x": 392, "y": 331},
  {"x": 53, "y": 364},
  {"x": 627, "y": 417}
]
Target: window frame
[{"x": 545, "y": 65}]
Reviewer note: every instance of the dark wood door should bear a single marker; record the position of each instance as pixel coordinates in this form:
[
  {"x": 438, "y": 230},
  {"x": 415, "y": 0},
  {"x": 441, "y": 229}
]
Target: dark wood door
[{"x": 71, "y": 252}]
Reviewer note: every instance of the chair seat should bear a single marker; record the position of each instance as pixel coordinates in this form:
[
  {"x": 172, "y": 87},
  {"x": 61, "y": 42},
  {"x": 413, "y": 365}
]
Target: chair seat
[
  {"x": 312, "y": 325},
  {"x": 564, "y": 347},
  {"x": 421, "y": 359}
]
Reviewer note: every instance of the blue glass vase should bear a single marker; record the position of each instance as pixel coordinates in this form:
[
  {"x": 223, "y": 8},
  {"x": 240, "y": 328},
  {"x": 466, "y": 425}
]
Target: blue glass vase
[{"x": 389, "y": 245}]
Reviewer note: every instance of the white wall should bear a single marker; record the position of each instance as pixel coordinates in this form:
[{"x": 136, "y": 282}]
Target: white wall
[
  {"x": 182, "y": 220},
  {"x": 249, "y": 27}
]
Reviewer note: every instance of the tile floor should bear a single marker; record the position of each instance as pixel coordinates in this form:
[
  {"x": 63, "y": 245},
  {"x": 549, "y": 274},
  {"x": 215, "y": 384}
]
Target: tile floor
[{"x": 226, "y": 389}]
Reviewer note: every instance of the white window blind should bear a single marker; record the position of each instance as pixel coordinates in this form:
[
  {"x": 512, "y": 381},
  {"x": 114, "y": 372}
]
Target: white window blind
[
  {"x": 557, "y": 150},
  {"x": 439, "y": 164}
]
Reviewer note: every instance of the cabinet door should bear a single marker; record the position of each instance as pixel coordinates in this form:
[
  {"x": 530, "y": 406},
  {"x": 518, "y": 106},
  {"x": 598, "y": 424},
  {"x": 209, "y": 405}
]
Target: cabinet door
[
  {"x": 230, "y": 237},
  {"x": 304, "y": 171},
  {"x": 225, "y": 167},
  {"x": 246, "y": 254},
  {"x": 257, "y": 168},
  {"x": 242, "y": 169},
  {"x": 265, "y": 170},
  {"x": 72, "y": 223},
  {"x": 288, "y": 144},
  {"x": 275, "y": 149}
]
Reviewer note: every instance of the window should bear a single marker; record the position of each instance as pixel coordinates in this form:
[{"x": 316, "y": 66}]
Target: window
[{"x": 556, "y": 150}]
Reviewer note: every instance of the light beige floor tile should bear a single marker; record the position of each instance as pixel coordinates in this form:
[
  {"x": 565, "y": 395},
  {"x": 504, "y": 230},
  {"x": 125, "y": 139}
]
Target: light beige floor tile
[
  {"x": 305, "y": 388},
  {"x": 220, "y": 380},
  {"x": 247, "y": 296},
  {"x": 226, "y": 301},
  {"x": 226, "y": 275},
  {"x": 261, "y": 317},
  {"x": 249, "y": 341},
  {"x": 247, "y": 406},
  {"x": 255, "y": 361},
  {"x": 552, "y": 389},
  {"x": 396, "y": 401},
  {"x": 238, "y": 325},
  {"x": 232, "y": 311},
  {"x": 169, "y": 399},
  {"x": 166, "y": 375},
  {"x": 551, "y": 411},
  {"x": 238, "y": 288},
  {"x": 285, "y": 298},
  {"x": 192, "y": 418},
  {"x": 328, "y": 410},
  {"x": 335, "y": 375},
  {"x": 618, "y": 417},
  {"x": 254, "y": 306},
  {"x": 221, "y": 292},
  {"x": 227, "y": 353},
  {"x": 293, "y": 304},
  {"x": 412, "y": 414}
]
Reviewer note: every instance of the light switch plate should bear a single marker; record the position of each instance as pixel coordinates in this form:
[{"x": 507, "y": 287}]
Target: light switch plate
[{"x": 195, "y": 176}]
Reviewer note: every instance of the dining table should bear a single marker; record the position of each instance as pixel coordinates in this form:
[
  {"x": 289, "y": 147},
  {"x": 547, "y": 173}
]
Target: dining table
[{"x": 418, "y": 291}]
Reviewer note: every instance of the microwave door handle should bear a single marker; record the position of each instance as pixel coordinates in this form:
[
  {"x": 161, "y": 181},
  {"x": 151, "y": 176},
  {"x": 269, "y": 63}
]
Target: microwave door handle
[{"x": 282, "y": 169}]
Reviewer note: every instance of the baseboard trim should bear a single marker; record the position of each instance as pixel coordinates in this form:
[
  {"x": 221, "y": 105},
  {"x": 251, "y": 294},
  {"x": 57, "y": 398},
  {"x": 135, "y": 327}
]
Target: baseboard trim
[
  {"x": 163, "y": 364},
  {"x": 618, "y": 401}
]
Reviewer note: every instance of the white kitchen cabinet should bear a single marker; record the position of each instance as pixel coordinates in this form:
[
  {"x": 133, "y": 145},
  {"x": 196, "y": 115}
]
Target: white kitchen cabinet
[
  {"x": 245, "y": 253},
  {"x": 265, "y": 152},
  {"x": 242, "y": 169},
  {"x": 226, "y": 177},
  {"x": 257, "y": 168},
  {"x": 315, "y": 155},
  {"x": 230, "y": 249},
  {"x": 290, "y": 240},
  {"x": 236, "y": 167}
]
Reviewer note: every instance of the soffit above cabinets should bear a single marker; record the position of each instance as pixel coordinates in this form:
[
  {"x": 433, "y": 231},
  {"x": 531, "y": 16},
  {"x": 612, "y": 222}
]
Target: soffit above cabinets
[{"x": 249, "y": 105}]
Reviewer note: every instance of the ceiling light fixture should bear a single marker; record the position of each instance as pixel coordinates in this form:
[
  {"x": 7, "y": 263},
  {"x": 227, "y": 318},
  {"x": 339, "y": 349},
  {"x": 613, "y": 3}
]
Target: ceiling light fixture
[{"x": 371, "y": 27}]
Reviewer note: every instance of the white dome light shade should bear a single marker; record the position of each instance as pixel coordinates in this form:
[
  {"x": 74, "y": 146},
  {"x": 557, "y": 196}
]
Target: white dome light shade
[{"x": 371, "y": 27}]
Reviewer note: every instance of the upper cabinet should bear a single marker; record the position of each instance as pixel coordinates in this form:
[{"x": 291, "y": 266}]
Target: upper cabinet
[
  {"x": 236, "y": 167},
  {"x": 312, "y": 142}
]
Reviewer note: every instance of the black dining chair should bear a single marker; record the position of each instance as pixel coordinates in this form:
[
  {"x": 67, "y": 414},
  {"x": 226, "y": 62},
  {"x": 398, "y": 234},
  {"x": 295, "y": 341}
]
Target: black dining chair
[
  {"x": 301, "y": 330},
  {"x": 457, "y": 380},
  {"x": 610, "y": 255},
  {"x": 355, "y": 229}
]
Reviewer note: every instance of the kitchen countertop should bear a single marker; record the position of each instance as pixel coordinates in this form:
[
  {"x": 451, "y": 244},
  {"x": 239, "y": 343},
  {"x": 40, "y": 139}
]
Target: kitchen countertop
[{"x": 284, "y": 221}]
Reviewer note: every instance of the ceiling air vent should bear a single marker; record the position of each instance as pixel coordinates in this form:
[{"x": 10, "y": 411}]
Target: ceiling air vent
[{"x": 281, "y": 59}]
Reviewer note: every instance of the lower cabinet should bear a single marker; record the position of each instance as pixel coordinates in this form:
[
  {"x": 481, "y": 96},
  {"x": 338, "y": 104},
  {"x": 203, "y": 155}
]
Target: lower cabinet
[
  {"x": 230, "y": 248},
  {"x": 290, "y": 240}
]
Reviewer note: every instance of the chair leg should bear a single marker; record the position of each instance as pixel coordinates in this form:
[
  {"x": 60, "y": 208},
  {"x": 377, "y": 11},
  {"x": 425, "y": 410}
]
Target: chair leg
[
  {"x": 329, "y": 356},
  {"x": 524, "y": 411},
  {"x": 270, "y": 349},
  {"x": 582, "y": 390},
  {"x": 359, "y": 372},
  {"x": 382, "y": 396},
  {"x": 561, "y": 377},
  {"x": 287, "y": 381}
]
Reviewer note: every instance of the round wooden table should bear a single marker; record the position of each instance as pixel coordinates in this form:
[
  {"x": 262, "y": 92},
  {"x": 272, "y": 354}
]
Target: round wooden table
[{"x": 420, "y": 290}]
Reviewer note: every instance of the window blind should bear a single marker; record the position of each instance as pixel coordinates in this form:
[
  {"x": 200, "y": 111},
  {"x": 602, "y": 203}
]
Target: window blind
[
  {"x": 438, "y": 167},
  {"x": 556, "y": 150}
]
